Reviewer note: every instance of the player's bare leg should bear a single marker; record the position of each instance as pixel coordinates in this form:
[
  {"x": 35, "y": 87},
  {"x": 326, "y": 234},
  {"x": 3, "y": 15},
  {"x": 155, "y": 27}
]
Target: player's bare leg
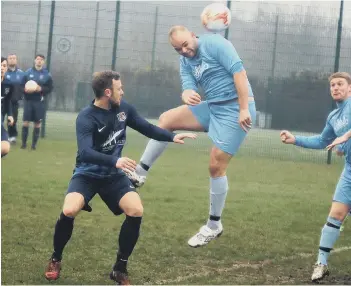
[
  {"x": 179, "y": 118},
  {"x": 219, "y": 161}
]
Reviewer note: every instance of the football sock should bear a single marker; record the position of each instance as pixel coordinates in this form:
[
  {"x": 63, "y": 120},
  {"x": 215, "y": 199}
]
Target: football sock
[
  {"x": 218, "y": 194},
  {"x": 63, "y": 232},
  {"x": 330, "y": 234}
]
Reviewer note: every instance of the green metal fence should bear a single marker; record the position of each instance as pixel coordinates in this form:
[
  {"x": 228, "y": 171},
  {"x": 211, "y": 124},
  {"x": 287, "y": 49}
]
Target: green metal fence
[{"x": 288, "y": 49}]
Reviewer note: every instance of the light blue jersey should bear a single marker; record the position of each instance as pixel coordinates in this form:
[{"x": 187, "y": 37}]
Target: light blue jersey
[
  {"x": 338, "y": 123},
  {"x": 212, "y": 68}
]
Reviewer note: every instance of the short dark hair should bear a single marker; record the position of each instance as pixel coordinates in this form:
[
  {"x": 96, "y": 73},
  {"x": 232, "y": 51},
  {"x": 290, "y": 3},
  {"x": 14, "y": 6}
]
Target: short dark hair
[
  {"x": 3, "y": 59},
  {"x": 103, "y": 80},
  {"x": 39, "y": 55},
  {"x": 343, "y": 75}
]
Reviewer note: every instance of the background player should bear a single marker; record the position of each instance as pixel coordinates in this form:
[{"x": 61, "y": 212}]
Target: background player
[{"x": 338, "y": 123}]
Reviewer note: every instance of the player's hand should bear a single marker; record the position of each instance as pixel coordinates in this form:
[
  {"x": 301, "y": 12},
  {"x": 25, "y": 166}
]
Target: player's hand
[
  {"x": 10, "y": 120},
  {"x": 126, "y": 164},
  {"x": 287, "y": 137},
  {"x": 245, "y": 119},
  {"x": 337, "y": 141},
  {"x": 179, "y": 138},
  {"x": 191, "y": 97}
]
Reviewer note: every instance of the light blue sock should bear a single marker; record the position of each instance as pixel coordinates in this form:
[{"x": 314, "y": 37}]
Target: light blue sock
[
  {"x": 330, "y": 234},
  {"x": 218, "y": 194}
]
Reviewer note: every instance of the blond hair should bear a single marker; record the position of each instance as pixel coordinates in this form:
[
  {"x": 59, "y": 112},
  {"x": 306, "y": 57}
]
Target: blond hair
[{"x": 343, "y": 75}]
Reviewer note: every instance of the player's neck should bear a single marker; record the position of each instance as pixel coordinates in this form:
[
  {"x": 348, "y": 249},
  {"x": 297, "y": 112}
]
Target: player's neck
[
  {"x": 12, "y": 68},
  {"x": 102, "y": 104}
]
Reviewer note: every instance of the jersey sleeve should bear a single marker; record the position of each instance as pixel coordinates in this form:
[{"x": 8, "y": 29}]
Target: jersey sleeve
[
  {"x": 319, "y": 141},
  {"x": 224, "y": 52},
  {"x": 84, "y": 131},
  {"x": 187, "y": 79},
  {"x": 144, "y": 127},
  {"x": 48, "y": 86}
]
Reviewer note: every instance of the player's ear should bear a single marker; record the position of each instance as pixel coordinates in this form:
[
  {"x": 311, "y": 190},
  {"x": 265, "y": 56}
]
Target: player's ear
[{"x": 107, "y": 92}]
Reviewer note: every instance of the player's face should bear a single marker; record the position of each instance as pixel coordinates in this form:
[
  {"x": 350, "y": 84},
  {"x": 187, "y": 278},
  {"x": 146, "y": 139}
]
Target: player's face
[
  {"x": 184, "y": 42},
  {"x": 3, "y": 68},
  {"x": 117, "y": 92},
  {"x": 39, "y": 63},
  {"x": 12, "y": 60},
  {"x": 339, "y": 89}
]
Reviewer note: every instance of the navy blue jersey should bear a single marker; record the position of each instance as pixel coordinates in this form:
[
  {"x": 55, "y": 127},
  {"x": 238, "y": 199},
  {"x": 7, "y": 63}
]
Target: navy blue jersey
[
  {"x": 16, "y": 77},
  {"x": 101, "y": 135},
  {"x": 41, "y": 77},
  {"x": 6, "y": 93}
]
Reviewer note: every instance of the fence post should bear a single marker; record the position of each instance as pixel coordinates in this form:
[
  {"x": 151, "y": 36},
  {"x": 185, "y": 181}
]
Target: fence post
[
  {"x": 154, "y": 41},
  {"x": 114, "y": 52},
  {"x": 48, "y": 61},
  {"x": 337, "y": 57},
  {"x": 229, "y": 2},
  {"x": 95, "y": 35},
  {"x": 38, "y": 25}
]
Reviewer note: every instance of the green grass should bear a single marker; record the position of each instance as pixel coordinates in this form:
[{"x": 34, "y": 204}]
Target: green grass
[{"x": 278, "y": 201}]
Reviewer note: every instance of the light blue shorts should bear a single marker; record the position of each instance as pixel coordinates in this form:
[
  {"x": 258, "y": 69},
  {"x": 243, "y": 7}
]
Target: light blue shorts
[
  {"x": 221, "y": 121},
  {"x": 343, "y": 188}
]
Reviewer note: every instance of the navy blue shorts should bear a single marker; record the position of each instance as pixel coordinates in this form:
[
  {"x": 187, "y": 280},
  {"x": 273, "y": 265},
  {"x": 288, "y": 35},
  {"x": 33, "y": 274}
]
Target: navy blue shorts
[
  {"x": 33, "y": 111},
  {"x": 4, "y": 135},
  {"x": 111, "y": 190}
]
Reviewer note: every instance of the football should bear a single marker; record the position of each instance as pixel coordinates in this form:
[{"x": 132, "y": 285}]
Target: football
[
  {"x": 216, "y": 17},
  {"x": 30, "y": 86}
]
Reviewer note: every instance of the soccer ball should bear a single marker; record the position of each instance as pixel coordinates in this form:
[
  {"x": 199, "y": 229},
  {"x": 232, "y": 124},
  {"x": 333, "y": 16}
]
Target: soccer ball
[
  {"x": 30, "y": 86},
  {"x": 216, "y": 17}
]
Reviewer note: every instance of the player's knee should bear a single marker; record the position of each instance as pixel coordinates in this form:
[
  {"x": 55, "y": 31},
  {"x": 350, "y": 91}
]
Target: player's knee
[
  {"x": 134, "y": 211},
  {"x": 216, "y": 169},
  {"x": 70, "y": 211},
  {"x": 5, "y": 148},
  {"x": 164, "y": 121},
  {"x": 25, "y": 123}
]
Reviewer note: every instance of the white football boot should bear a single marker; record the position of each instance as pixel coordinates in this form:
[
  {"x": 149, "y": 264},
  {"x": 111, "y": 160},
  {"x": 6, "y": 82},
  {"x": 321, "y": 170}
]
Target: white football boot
[
  {"x": 137, "y": 180},
  {"x": 204, "y": 236},
  {"x": 319, "y": 272}
]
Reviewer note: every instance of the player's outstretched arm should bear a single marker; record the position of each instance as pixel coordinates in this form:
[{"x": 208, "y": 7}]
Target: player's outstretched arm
[
  {"x": 340, "y": 140},
  {"x": 144, "y": 127},
  {"x": 287, "y": 137}
]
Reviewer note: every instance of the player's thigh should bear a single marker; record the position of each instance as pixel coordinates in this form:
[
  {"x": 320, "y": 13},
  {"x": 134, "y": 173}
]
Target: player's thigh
[
  {"x": 225, "y": 130},
  {"x": 184, "y": 117},
  {"x": 39, "y": 111},
  {"x": 81, "y": 190},
  {"x": 114, "y": 192},
  {"x": 27, "y": 110},
  {"x": 342, "y": 197}
]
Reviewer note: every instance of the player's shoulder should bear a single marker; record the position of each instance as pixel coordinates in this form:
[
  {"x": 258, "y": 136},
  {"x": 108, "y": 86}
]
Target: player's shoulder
[
  {"x": 211, "y": 38},
  {"x": 85, "y": 112}
]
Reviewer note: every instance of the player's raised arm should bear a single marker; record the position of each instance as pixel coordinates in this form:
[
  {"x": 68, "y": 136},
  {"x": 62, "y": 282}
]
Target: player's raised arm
[
  {"x": 311, "y": 142},
  {"x": 340, "y": 140},
  {"x": 144, "y": 127},
  {"x": 190, "y": 95}
]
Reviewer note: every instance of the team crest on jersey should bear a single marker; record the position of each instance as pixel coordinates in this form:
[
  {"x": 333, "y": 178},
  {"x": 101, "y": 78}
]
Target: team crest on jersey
[
  {"x": 341, "y": 123},
  {"x": 8, "y": 76},
  {"x": 31, "y": 75},
  {"x": 121, "y": 116}
]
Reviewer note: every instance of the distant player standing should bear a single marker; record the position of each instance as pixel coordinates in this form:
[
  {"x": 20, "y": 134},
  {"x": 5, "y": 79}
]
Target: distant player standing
[
  {"x": 34, "y": 106},
  {"x": 227, "y": 114},
  {"x": 6, "y": 93},
  {"x": 338, "y": 124},
  {"x": 15, "y": 76},
  {"x": 101, "y": 136}
]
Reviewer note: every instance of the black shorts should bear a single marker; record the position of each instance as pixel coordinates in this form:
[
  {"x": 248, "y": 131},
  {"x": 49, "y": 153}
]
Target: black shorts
[
  {"x": 111, "y": 190},
  {"x": 4, "y": 135},
  {"x": 33, "y": 111}
]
